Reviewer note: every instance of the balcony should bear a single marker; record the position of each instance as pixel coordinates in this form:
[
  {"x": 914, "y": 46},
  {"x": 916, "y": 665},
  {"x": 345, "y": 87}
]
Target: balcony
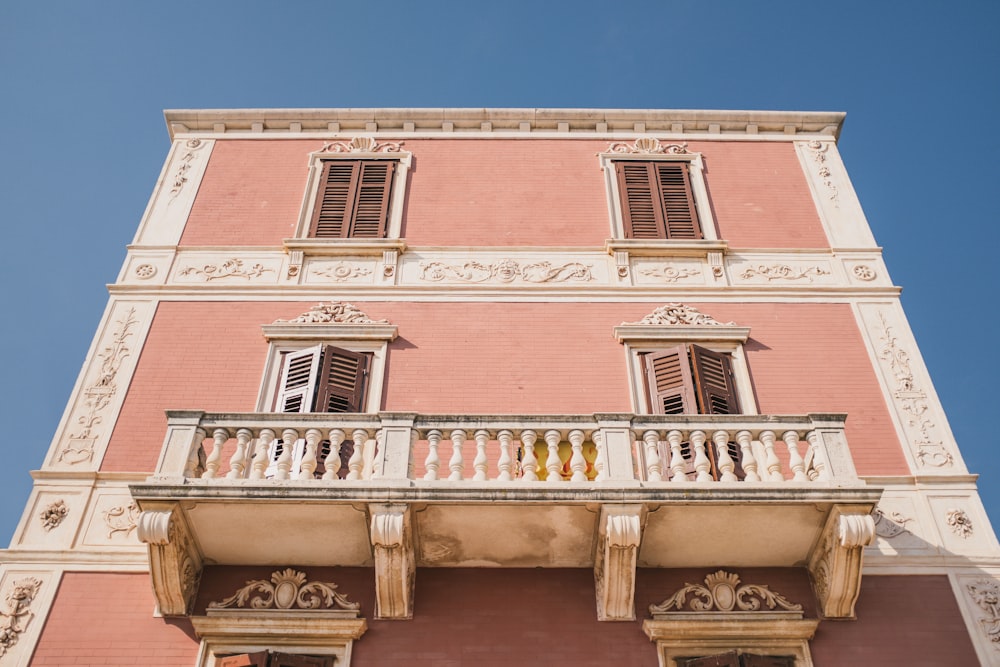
[{"x": 612, "y": 492}]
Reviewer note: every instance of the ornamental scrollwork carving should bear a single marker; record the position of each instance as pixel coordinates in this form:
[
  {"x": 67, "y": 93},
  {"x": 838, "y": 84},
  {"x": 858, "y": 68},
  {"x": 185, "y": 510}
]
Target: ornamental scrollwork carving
[
  {"x": 679, "y": 314},
  {"x": 986, "y": 594},
  {"x": 53, "y": 514},
  {"x": 911, "y": 400},
  {"x": 231, "y": 268},
  {"x": 960, "y": 523},
  {"x": 648, "y": 146},
  {"x": 783, "y": 272},
  {"x": 670, "y": 274},
  {"x": 505, "y": 271},
  {"x": 16, "y": 615},
  {"x": 818, "y": 150},
  {"x": 722, "y": 592},
  {"x": 287, "y": 589},
  {"x": 335, "y": 312},
  {"x": 342, "y": 272},
  {"x": 180, "y": 178},
  {"x": 121, "y": 519},
  {"x": 361, "y": 145},
  {"x": 889, "y": 525}
]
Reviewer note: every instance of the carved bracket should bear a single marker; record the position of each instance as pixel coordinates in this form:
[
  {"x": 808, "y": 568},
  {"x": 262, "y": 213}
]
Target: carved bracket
[
  {"x": 620, "y": 533},
  {"x": 836, "y": 563},
  {"x": 395, "y": 563},
  {"x": 175, "y": 564}
]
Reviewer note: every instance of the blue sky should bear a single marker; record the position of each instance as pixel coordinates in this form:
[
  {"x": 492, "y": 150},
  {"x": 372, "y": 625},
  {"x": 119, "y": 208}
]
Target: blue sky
[{"x": 84, "y": 86}]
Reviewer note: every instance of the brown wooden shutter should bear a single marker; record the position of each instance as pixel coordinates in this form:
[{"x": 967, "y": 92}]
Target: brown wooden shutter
[
  {"x": 291, "y": 660},
  {"x": 342, "y": 375},
  {"x": 243, "y": 660},
  {"x": 669, "y": 382},
  {"x": 678, "y": 201},
  {"x": 751, "y": 660},
  {"x": 641, "y": 211},
  {"x": 353, "y": 199},
  {"x": 297, "y": 387},
  {"x": 730, "y": 659},
  {"x": 713, "y": 375}
]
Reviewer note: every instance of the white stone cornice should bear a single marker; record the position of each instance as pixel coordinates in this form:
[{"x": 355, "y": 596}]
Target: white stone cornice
[{"x": 452, "y": 121}]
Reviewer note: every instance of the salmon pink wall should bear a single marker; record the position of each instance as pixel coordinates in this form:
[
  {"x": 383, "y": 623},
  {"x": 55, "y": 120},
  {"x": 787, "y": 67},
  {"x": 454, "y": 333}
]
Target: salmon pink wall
[
  {"x": 101, "y": 618},
  {"x": 502, "y": 192}
]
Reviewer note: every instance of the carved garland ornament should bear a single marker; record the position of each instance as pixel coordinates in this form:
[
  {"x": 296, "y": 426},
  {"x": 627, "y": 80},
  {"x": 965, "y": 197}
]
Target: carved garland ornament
[
  {"x": 506, "y": 271},
  {"x": 186, "y": 162},
  {"x": 15, "y": 618},
  {"x": 960, "y": 523},
  {"x": 335, "y": 312},
  {"x": 361, "y": 145},
  {"x": 53, "y": 514},
  {"x": 678, "y": 314},
  {"x": 986, "y": 594},
  {"x": 99, "y": 393},
  {"x": 722, "y": 592},
  {"x": 287, "y": 589},
  {"x": 818, "y": 150},
  {"x": 231, "y": 268},
  {"x": 783, "y": 272},
  {"x": 649, "y": 146},
  {"x": 912, "y": 400}
]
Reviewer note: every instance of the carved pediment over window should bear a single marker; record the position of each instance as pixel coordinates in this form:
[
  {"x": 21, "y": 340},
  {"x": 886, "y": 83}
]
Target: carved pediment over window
[
  {"x": 722, "y": 592},
  {"x": 678, "y": 313},
  {"x": 361, "y": 145},
  {"x": 335, "y": 312},
  {"x": 648, "y": 146},
  {"x": 288, "y": 590},
  {"x": 334, "y": 321},
  {"x": 677, "y": 321}
]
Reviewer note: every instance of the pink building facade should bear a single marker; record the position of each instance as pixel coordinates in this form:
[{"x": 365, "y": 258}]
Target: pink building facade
[{"x": 467, "y": 387}]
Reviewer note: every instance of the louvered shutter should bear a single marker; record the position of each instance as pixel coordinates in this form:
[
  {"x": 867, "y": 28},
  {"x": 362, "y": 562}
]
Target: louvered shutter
[
  {"x": 751, "y": 660},
  {"x": 291, "y": 660},
  {"x": 730, "y": 659},
  {"x": 341, "y": 385},
  {"x": 353, "y": 199},
  {"x": 299, "y": 373},
  {"x": 642, "y": 213},
  {"x": 713, "y": 375},
  {"x": 243, "y": 660},
  {"x": 677, "y": 200},
  {"x": 669, "y": 382}
]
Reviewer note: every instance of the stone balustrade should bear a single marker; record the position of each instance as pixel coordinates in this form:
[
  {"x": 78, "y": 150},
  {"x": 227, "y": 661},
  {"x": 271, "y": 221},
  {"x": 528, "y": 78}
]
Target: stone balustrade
[{"x": 549, "y": 449}]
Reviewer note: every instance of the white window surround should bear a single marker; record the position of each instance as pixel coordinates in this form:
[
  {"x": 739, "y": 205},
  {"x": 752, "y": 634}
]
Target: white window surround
[
  {"x": 642, "y": 338},
  {"x": 710, "y": 240},
  {"x": 395, "y": 216},
  {"x": 704, "y": 634}
]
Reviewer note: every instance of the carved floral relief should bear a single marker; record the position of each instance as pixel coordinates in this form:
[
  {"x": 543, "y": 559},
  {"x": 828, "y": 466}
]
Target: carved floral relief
[
  {"x": 783, "y": 272},
  {"x": 679, "y": 314},
  {"x": 505, "y": 271},
  {"x": 723, "y": 592},
  {"x": 342, "y": 271},
  {"x": 670, "y": 274},
  {"x": 179, "y": 178},
  {"x": 335, "y": 312},
  {"x": 818, "y": 150},
  {"x": 53, "y": 514},
  {"x": 230, "y": 268},
  {"x": 121, "y": 518},
  {"x": 960, "y": 523},
  {"x": 287, "y": 589},
  {"x": 361, "y": 145},
  {"x": 648, "y": 146}
]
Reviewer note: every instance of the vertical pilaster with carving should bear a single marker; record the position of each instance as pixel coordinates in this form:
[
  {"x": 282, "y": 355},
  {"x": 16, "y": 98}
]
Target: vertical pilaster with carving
[
  {"x": 395, "y": 562},
  {"x": 619, "y": 536},
  {"x": 174, "y": 561},
  {"x": 836, "y": 563}
]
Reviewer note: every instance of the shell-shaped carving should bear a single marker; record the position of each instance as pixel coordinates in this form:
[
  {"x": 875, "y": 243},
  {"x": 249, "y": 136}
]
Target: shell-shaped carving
[
  {"x": 648, "y": 144},
  {"x": 363, "y": 144}
]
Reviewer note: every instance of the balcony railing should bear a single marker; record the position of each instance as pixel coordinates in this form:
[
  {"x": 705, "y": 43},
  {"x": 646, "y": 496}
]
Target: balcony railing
[{"x": 266, "y": 448}]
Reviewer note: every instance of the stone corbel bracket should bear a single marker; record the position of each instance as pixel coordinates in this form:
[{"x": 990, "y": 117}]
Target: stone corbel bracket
[
  {"x": 175, "y": 564},
  {"x": 836, "y": 563},
  {"x": 619, "y": 536},
  {"x": 395, "y": 562}
]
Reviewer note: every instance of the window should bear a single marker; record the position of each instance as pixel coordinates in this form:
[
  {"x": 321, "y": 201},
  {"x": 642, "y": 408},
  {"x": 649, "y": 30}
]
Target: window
[
  {"x": 734, "y": 659},
  {"x": 352, "y": 200},
  {"x": 323, "y": 378},
  {"x": 690, "y": 379},
  {"x": 657, "y": 201},
  {"x": 273, "y": 659}
]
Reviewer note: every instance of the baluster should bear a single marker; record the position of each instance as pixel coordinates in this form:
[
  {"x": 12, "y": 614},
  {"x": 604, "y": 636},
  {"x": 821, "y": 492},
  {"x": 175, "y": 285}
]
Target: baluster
[
  {"x": 194, "y": 460},
  {"x": 602, "y": 474},
  {"x": 219, "y": 438},
  {"x": 376, "y": 471},
  {"x": 260, "y": 460},
  {"x": 433, "y": 462},
  {"x": 308, "y": 464},
  {"x": 479, "y": 463},
  {"x": 411, "y": 461},
  {"x": 820, "y": 469},
  {"x": 455, "y": 464},
  {"x": 357, "y": 460},
  {"x": 505, "y": 462},
  {"x": 577, "y": 463},
  {"x": 529, "y": 462},
  {"x": 770, "y": 458},
  {"x": 702, "y": 465},
  {"x": 237, "y": 464},
  {"x": 654, "y": 468},
  {"x": 284, "y": 463},
  {"x": 795, "y": 461},
  {"x": 726, "y": 465},
  {"x": 552, "y": 462},
  {"x": 745, "y": 438},
  {"x": 332, "y": 460},
  {"x": 677, "y": 464}
]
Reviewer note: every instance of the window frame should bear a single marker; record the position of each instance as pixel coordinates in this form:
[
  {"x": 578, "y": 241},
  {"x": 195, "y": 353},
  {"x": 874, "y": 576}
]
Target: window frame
[{"x": 763, "y": 633}]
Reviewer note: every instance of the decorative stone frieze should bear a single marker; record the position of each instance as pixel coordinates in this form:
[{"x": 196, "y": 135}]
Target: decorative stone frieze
[
  {"x": 835, "y": 565},
  {"x": 362, "y": 145},
  {"x": 648, "y": 146},
  {"x": 174, "y": 561},
  {"x": 233, "y": 267},
  {"x": 287, "y": 589},
  {"x": 620, "y": 533},
  {"x": 341, "y": 272},
  {"x": 53, "y": 514},
  {"x": 16, "y": 613},
  {"x": 670, "y": 274},
  {"x": 722, "y": 592},
  {"x": 395, "y": 563},
  {"x": 783, "y": 272},
  {"x": 673, "y": 314},
  {"x": 335, "y": 312},
  {"x": 505, "y": 271},
  {"x": 960, "y": 523}
]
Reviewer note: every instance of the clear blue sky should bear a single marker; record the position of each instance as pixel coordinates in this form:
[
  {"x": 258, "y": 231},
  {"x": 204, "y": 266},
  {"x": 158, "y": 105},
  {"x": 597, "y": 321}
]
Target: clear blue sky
[{"x": 84, "y": 84}]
